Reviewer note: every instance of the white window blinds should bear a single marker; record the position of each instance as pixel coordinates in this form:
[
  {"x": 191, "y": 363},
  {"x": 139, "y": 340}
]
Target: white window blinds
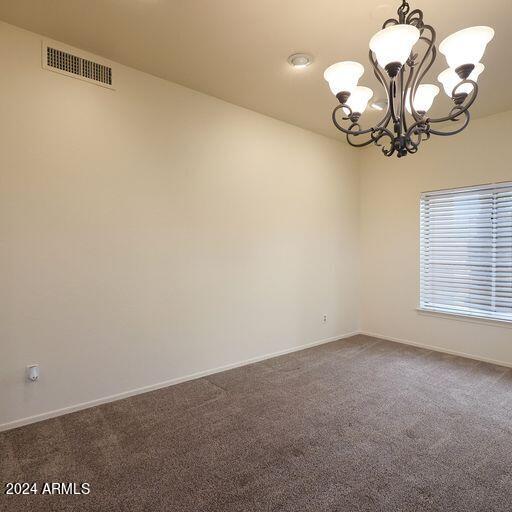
[{"x": 466, "y": 251}]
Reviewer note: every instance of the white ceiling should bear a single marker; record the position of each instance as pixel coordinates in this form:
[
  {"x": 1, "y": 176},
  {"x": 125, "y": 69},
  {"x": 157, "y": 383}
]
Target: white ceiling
[{"x": 237, "y": 50}]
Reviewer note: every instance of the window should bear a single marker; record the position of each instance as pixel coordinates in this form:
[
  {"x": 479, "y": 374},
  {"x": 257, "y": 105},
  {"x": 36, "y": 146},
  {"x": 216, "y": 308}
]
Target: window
[{"x": 466, "y": 251}]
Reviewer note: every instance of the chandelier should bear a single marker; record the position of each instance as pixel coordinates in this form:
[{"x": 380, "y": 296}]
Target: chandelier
[{"x": 401, "y": 54}]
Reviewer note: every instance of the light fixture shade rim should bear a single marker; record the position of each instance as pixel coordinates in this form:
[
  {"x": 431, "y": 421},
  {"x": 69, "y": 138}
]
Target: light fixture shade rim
[
  {"x": 446, "y": 43},
  {"x": 401, "y": 27},
  {"x": 432, "y": 87},
  {"x": 336, "y": 67}
]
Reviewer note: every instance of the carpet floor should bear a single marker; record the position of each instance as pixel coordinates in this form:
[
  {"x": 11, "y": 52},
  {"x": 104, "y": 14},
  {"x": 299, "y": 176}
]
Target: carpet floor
[{"x": 356, "y": 425}]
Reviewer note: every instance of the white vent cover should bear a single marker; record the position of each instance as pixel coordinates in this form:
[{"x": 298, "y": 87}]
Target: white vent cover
[{"x": 68, "y": 62}]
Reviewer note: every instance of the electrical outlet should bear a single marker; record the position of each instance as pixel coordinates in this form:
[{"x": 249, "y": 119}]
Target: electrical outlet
[
  {"x": 325, "y": 319},
  {"x": 33, "y": 372}
]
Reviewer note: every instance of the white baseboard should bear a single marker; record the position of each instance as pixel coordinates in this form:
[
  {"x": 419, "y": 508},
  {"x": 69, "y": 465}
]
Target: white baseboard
[
  {"x": 438, "y": 349},
  {"x": 171, "y": 382},
  {"x": 132, "y": 392}
]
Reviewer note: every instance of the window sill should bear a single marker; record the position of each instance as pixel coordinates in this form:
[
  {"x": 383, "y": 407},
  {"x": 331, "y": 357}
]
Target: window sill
[{"x": 462, "y": 317}]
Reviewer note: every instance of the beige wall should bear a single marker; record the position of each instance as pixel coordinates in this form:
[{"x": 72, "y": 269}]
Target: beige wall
[
  {"x": 152, "y": 232},
  {"x": 390, "y": 195}
]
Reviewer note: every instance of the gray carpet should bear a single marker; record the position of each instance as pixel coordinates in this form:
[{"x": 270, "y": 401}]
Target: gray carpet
[{"x": 355, "y": 425}]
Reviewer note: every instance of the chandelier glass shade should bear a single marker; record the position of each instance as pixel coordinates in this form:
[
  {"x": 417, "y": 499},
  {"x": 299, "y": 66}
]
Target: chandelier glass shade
[
  {"x": 394, "y": 44},
  {"x": 425, "y": 94},
  {"x": 358, "y": 99},
  {"x": 343, "y": 76},
  {"x": 466, "y": 46},
  {"x": 401, "y": 54},
  {"x": 450, "y": 79}
]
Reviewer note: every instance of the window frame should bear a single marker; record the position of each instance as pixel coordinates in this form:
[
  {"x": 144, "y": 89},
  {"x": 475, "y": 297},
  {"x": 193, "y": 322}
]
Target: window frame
[{"x": 461, "y": 313}]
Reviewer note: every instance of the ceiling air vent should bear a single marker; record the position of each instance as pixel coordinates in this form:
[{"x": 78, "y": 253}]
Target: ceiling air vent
[{"x": 68, "y": 62}]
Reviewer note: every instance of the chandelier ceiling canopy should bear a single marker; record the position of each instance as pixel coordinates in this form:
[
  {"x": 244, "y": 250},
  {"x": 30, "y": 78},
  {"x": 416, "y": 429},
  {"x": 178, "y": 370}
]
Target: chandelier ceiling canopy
[{"x": 401, "y": 54}]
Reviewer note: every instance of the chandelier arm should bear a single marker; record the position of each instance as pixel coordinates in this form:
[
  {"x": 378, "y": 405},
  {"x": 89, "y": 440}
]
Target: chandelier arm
[
  {"x": 411, "y": 146},
  {"x": 391, "y": 21},
  {"x": 419, "y": 129},
  {"x": 348, "y": 131},
  {"x": 381, "y": 128},
  {"x": 420, "y": 72},
  {"x": 375, "y": 135},
  {"x": 417, "y": 83},
  {"x": 407, "y": 85},
  {"x": 391, "y": 97},
  {"x": 431, "y": 50},
  {"x": 380, "y": 77},
  {"x": 456, "y": 112},
  {"x": 403, "y": 93},
  {"x": 383, "y": 123},
  {"x": 458, "y": 130},
  {"x": 384, "y": 132},
  {"x": 361, "y": 144}
]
